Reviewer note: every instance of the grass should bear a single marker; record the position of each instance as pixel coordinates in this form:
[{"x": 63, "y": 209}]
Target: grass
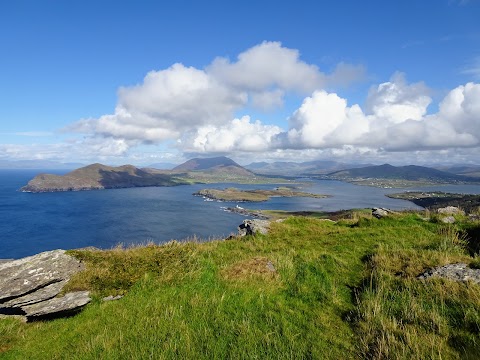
[{"x": 337, "y": 291}]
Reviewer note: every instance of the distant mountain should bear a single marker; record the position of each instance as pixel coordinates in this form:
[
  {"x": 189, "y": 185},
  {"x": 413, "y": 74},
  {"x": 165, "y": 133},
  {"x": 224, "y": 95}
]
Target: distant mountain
[
  {"x": 465, "y": 170},
  {"x": 221, "y": 164},
  {"x": 37, "y": 164},
  {"x": 98, "y": 176},
  {"x": 410, "y": 173},
  {"x": 291, "y": 168},
  {"x": 199, "y": 164}
]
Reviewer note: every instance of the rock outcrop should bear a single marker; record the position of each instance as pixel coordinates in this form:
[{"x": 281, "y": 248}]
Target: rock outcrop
[
  {"x": 253, "y": 227},
  {"x": 450, "y": 210},
  {"x": 59, "y": 306},
  {"x": 448, "y": 219},
  {"x": 381, "y": 212},
  {"x": 457, "y": 272},
  {"x": 29, "y": 286}
]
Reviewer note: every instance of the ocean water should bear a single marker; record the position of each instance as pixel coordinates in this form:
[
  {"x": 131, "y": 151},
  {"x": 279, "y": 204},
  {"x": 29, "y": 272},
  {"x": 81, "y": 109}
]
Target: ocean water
[{"x": 31, "y": 223}]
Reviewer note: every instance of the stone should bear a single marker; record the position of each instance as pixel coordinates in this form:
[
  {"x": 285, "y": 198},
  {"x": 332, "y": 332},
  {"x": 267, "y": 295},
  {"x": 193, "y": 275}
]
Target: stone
[
  {"x": 253, "y": 227},
  {"x": 28, "y": 286},
  {"x": 380, "y": 212},
  {"x": 473, "y": 217},
  {"x": 24, "y": 276},
  {"x": 448, "y": 220},
  {"x": 450, "y": 210},
  {"x": 42, "y": 294},
  {"x": 271, "y": 267},
  {"x": 457, "y": 272},
  {"x": 112, "y": 298},
  {"x": 56, "y": 307}
]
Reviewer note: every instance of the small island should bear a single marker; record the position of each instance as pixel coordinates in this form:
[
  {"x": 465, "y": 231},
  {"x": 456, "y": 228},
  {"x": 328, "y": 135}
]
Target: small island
[{"x": 234, "y": 194}]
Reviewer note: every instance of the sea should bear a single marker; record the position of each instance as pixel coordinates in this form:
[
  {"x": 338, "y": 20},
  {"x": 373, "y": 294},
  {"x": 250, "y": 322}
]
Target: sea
[{"x": 31, "y": 223}]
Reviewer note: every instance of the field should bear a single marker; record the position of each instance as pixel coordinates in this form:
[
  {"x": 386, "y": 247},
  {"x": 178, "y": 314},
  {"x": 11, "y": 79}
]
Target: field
[{"x": 310, "y": 289}]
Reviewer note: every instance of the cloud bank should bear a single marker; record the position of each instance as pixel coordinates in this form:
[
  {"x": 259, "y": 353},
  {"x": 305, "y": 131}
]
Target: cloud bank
[{"x": 195, "y": 109}]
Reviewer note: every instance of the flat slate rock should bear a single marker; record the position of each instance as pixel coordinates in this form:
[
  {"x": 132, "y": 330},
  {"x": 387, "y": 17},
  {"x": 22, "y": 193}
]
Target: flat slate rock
[
  {"x": 42, "y": 294},
  {"x": 26, "y": 275},
  {"x": 68, "y": 304}
]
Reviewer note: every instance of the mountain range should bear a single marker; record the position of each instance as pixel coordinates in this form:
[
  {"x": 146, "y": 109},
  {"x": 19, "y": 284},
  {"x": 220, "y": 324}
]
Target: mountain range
[
  {"x": 302, "y": 168},
  {"x": 409, "y": 173},
  {"x": 224, "y": 169}
]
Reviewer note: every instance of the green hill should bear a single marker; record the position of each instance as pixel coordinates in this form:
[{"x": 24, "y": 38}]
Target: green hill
[
  {"x": 407, "y": 173},
  {"x": 310, "y": 289},
  {"x": 98, "y": 176}
]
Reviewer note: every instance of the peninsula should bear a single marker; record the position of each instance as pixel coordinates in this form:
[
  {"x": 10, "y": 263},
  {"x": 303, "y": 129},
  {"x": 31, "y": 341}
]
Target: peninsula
[
  {"x": 439, "y": 199},
  {"x": 388, "y": 176},
  {"x": 98, "y": 176}
]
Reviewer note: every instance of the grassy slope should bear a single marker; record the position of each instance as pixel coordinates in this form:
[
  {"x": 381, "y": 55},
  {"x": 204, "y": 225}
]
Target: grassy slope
[{"x": 343, "y": 290}]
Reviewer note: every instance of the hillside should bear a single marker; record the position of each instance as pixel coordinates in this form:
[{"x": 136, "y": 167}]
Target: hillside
[
  {"x": 218, "y": 169},
  {"x": 199, "y": 164},
  {"x": 310, "y": 289},
  {"x": 98, "y": 176},
  {"x": 465, "y": 170},
  {"x": 290, "y": 168},
  {"x": 410, "y": 173}
]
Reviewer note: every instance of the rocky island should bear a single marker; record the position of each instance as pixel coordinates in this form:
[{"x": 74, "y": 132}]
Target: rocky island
[{"x": 234, "y": 194}]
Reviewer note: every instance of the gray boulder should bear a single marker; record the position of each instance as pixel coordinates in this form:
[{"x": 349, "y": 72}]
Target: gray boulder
[
  {"x": 381, "y": 212},
  {"x": 24, "y": 276},
  {"x": 29, "y": 286},
  {"x": 56, "y": 307},
  {"x": 448, "y": 220},
  {"x": 253, "y": 227},
  {"x": 457, "y": 272},
  {"x": 39, "y": 295},
  {"x": 450, "y": 210}
]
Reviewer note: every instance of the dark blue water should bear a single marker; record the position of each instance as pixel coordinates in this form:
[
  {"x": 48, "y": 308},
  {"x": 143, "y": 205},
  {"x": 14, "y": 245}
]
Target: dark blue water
[{"x": 31, "y": 223}]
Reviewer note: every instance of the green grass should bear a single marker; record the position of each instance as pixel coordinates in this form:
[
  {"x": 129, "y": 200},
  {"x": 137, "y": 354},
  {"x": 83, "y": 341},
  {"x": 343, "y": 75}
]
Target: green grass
[{"x": 340, "y": 290}]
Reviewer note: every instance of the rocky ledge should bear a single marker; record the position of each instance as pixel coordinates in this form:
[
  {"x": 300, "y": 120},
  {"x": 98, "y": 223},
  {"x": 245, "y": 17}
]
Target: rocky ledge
[
  {"x": 29, "y": 286},
  {"x": 456, "y": 272}
]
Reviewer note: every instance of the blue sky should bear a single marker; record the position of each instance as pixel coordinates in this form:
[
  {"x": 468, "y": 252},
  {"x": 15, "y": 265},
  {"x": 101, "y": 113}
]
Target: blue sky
[{"x": 74, "y": 84}]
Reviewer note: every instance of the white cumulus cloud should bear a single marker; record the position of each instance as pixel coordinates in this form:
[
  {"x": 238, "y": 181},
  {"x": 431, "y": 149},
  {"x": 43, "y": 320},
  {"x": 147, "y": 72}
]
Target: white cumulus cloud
[
  {"x": 396, "y": 119},
  {"x": 238, "y": 135},
  {"x": 183, "y": 100}
]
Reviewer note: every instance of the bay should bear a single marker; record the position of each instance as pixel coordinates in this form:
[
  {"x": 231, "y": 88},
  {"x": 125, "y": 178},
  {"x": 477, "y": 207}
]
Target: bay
[{"x": 31, "y": 223}]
